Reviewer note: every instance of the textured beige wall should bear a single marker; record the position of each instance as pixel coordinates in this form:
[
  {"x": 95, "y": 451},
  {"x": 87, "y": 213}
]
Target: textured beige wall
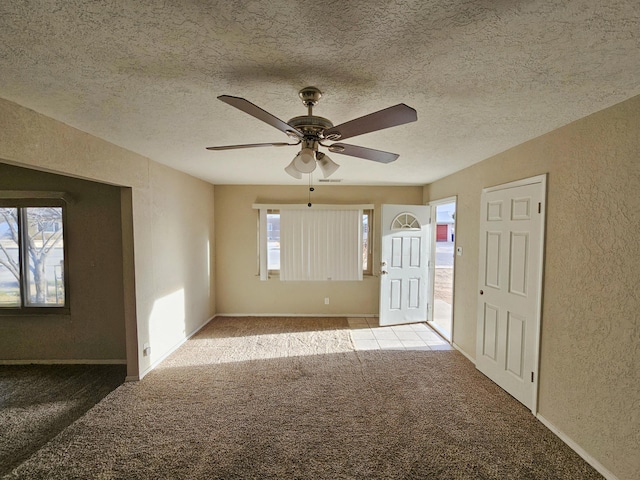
[
  {"x": 240, "y": 290},
  {"x": 169, "y": 250},
  {"x": 590, "y": 351},
  {"x": 178, "y": 246},
  {"x": 94, "y": 329}
]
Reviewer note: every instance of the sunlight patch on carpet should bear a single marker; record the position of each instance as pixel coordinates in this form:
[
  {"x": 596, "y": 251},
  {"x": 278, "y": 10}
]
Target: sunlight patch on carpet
[{"x": 223, "y": 341}]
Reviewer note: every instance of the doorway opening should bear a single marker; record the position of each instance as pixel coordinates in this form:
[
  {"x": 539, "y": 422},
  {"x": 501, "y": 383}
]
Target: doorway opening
[{"x": 442, "y": 259}]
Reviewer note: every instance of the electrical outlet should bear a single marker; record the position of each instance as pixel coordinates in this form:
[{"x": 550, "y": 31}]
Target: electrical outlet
[
  {"x": 459, "y": 251},
  {"x": 326, "y": 300}
]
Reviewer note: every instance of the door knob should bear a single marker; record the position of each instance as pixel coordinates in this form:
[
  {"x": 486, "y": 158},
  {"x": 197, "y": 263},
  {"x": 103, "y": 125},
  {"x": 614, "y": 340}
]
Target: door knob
[{"x": 481, "y": 292}]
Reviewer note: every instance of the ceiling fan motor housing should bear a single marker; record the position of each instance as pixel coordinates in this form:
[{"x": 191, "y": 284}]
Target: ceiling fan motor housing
[{"x": 311, "y": 125}]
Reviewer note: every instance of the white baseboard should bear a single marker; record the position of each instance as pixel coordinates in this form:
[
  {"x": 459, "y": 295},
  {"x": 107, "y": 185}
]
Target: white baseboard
[
  {"x": 168, "y": 352},
  {"x": 315, "y": 315},
  {"x": 577, "y": 448},
  {"x": 459, "y": 348},
  {"x": 74, "y": 361},
  {"x": 561, "y": 435}
]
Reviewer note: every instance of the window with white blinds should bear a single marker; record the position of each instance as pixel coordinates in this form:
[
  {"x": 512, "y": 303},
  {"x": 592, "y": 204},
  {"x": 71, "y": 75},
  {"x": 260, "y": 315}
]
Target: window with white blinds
[{"x": 320, "y": 245}]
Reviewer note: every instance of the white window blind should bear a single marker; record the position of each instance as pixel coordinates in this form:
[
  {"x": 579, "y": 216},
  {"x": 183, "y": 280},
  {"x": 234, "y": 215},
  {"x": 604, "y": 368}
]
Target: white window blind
[{"x": 320, "y": 244}]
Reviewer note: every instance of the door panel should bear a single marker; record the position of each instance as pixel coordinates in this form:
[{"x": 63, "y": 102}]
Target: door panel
[
  {"x": 414, "y": 293},
  {"x": 396, "y": 294},
  {"x": 510, "y": 277},
  {"x": 492, "y": 264},
  {"x": 494, "y": 211},
  {"x": 414, "y": 252},
  {"x": 518, "y": 263},
  {"x": 396, "y": 252},
  {"x": 515, "y": 344},
  {"x": 490, "y": 332},
  {"x": 521, "y": 209},
  {"x": 404, "y": 272}
]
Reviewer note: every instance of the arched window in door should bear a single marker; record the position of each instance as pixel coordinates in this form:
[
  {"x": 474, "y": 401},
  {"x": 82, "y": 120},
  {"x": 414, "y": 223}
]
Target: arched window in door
[{"x": 405, "y": 221}]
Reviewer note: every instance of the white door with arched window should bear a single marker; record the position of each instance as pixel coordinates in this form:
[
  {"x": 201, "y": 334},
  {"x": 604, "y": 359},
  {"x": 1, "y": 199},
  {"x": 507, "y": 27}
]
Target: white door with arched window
[{"x": 404, "y": 270}]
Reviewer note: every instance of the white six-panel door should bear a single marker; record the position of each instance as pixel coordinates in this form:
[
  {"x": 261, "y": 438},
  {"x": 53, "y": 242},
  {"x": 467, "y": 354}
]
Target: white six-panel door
[
  {"x": 509, "y": 301},
  {"x": 404, "y": 266}
]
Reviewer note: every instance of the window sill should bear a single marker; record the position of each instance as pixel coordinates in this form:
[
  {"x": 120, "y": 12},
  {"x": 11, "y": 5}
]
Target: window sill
[
  {"x": 34, "y": 311},
  {"x": 276, "y": 273}
]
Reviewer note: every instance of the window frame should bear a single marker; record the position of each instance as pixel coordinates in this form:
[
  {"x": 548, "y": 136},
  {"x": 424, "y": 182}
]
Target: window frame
[
  {"x": 368, "y": 212},
  {"x": 22, "y": 201}
]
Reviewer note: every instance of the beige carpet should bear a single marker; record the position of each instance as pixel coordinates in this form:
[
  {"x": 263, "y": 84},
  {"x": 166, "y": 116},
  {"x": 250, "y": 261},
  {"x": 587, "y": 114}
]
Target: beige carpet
[{"x": 256, "y": 398}]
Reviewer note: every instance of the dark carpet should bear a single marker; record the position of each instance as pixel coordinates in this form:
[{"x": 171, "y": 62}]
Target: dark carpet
[
  {"x": 289, "y": 399},
  {"x": 37, "y": 402}
]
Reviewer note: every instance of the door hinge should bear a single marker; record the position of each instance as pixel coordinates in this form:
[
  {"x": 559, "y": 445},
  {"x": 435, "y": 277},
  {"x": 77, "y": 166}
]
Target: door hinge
[
  {"x": 539, "y": 207},
  {"x": 531, "y": 377}
]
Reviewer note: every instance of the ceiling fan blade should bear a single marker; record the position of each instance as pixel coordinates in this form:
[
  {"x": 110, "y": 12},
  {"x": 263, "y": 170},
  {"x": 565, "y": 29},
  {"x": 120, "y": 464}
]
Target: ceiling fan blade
[
  {"x": 362, "y": 152},
  {"x": 252, "y": 145},
  {"x": 389, "y": 117},
  {"x": 260, "y": 114}
]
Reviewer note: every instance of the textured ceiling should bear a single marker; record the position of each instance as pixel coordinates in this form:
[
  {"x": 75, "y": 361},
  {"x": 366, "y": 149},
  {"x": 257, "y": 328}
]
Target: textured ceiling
[{"x": 484, "y": 76}]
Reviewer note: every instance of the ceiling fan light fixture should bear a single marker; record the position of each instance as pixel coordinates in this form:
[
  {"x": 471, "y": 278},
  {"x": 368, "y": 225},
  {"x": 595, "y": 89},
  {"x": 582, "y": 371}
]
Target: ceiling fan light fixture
[
  {"x": 304, "y": 161},
  {"x": 292, "y": 170},
  {"x": 327, "y": 165}
]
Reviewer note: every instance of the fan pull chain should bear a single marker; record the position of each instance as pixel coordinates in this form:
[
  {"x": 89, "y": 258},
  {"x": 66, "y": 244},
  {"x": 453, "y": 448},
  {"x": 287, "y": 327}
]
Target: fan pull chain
[{"x": 311, "y": 189}]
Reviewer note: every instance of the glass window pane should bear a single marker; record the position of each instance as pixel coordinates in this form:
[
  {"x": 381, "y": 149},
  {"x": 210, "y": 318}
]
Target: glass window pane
[
  {"x": 273, "y": 241},
  {"x": 9, "y": 258},
  {"x": 365, "y": 242},
  {"x": 45, "y": 253}
]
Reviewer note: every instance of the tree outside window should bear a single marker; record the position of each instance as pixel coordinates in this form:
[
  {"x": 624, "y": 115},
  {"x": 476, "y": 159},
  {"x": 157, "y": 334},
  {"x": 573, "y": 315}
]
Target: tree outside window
[{"x": 31, "y": 257}]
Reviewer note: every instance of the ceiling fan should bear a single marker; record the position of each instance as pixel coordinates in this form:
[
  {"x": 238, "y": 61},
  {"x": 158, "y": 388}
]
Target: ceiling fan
[{"x": 312, "y": 132}]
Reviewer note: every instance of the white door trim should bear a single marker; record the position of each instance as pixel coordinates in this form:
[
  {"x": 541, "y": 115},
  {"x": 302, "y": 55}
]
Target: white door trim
[
  {"x": 542, "y": 180},
  {"x": 519, "y": 183},
  {"x": 432, "y": 259}
]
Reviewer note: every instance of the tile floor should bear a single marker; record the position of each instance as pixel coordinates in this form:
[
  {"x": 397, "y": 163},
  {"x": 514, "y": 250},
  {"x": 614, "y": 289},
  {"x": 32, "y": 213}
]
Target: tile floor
[{"x": 367, "y": 335}]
